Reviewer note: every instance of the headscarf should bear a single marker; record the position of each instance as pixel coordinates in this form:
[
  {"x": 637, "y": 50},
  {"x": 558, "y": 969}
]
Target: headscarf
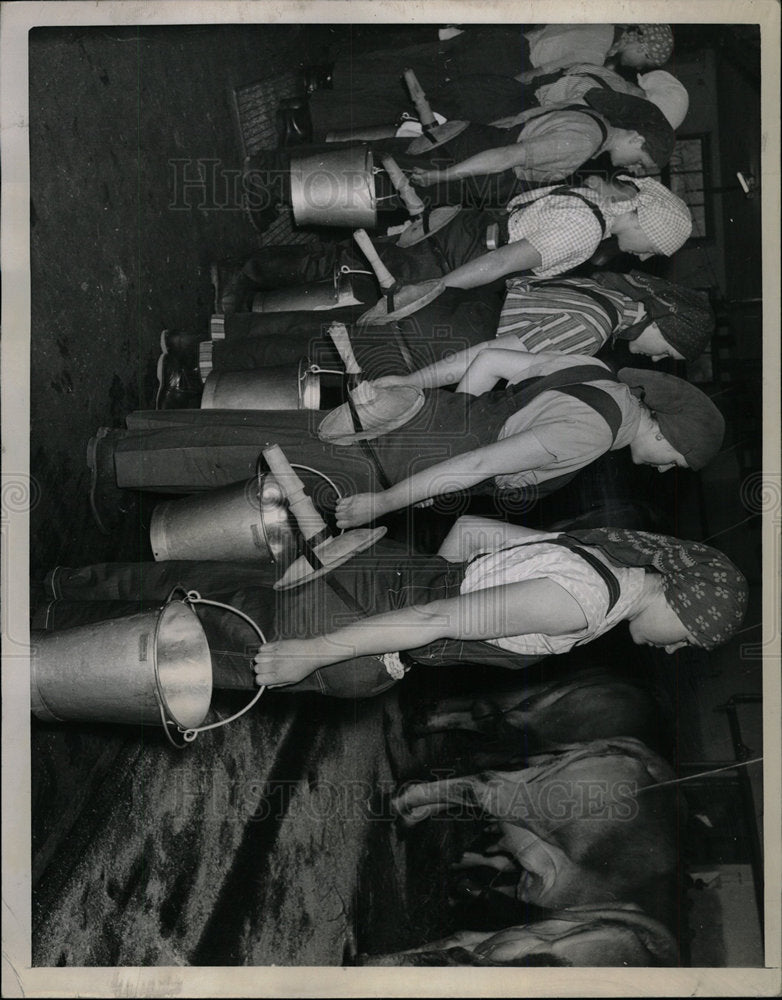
[
  {"x": 705, "y": 589},
  {"x": 637, "y": 114},
  {"x": 656, "y": 39},
  {"x": 662, "y": 215},
  {"x": 687, "y": 418},
  {"x": 684, "y": 315},
  {"x": 668, "y": 93}
]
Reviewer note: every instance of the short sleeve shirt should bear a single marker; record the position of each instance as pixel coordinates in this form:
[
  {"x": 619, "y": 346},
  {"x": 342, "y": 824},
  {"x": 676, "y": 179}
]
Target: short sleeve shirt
[
  {"x": 563, "y": 230},
  {"x": 556, "y": 144},
  {"x": 570, "y": 431},
  {"x": 573, "y": 574}
]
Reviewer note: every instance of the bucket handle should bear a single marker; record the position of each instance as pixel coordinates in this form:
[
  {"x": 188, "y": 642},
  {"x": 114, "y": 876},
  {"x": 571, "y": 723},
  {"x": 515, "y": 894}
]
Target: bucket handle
[
  {"x": 188, "y": 735},
  {"x": 295, "y": 465}
]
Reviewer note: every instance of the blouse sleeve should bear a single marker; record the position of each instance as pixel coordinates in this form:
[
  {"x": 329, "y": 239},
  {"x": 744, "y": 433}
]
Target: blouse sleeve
[{"x": 563, "y": 230}]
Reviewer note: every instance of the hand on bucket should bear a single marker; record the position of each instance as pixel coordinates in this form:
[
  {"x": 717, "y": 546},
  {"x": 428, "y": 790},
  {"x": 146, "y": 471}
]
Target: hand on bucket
[
  {"x": 361, "y": 508},
  {"x": 287, "y": 661},
  {"x": 424, "y": 178}
]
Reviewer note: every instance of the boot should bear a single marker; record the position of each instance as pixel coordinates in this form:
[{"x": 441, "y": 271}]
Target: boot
[
  {"x": 182, "y": 345},
  {"x": 179, "y": 386},
  {"x": 294, "y": 124}
]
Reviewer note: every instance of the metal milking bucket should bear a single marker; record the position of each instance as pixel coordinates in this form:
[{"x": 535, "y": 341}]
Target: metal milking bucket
[
  {"x": 316, "y": 296},
  {"x": 277, "y": 387},
  {"x": 133, "y": 670},
  {"x": 335, "y": 188},
  {"x": 243, "y": 521}
]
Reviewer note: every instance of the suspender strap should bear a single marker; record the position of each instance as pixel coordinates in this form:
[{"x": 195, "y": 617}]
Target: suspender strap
[
  {"x": 580, "y": 108},
  {"x": 366, "y": 446},
  {"x": 563, "y": 191},
  {"x": 603, "y": 84},
  {"x": 590, "y": 204},
  {"x": 599, "y": 298},
  {"x": 546, "y": 78},
  {"x": 574, "y": 375},
  {"x": 574, "y": 382},
  {"x": 608, "y": 576},
  {"x": 600, "y": 402}
]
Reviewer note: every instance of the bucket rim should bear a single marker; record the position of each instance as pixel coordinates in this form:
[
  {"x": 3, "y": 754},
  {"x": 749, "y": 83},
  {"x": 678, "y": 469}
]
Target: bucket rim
[{"x": 167, "y": 710}]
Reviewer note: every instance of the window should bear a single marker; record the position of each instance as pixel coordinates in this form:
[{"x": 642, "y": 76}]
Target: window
[{"x": 688, "y": 175}]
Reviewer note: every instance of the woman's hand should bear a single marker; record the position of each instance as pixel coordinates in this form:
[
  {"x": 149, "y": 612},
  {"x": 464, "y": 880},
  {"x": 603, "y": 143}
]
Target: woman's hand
[
  {"x": 286, "y": 661},
  {"x": 425, "y": 178},
  {"x": 361, "y": 508}
]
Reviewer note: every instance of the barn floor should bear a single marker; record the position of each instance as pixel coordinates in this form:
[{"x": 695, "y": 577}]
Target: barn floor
[{"x": 268, "y": 842}]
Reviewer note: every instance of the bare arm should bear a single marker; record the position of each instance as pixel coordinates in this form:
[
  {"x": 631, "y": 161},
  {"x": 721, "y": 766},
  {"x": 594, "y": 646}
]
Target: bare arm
[
  {"x": 490, "y": 161},
  {"x": 488, "y": 367},
  {"x": 453, "y": 368},
  {"x": 513, "y": 454},
  {"x": 471, "y": 534},
  {"x": 518, "y": 256},
  {"x": 512, "y": 609}
]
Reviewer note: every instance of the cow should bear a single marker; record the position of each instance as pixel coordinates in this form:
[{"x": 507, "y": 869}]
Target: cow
[
  {"x": 589, "y": 704},
  {"x": 577, "y": 826},
  {"x": 604, "y": 935}
]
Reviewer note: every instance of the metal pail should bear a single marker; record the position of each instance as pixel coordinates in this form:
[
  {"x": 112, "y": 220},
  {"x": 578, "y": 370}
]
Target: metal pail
[
  {"x": 316, "y": 296},
  {"x": 228, "y": 523},
  {"x": 334, "y": 189},
  {"x": 119, "y": 670},
  {"x": 278, "y": 387}
]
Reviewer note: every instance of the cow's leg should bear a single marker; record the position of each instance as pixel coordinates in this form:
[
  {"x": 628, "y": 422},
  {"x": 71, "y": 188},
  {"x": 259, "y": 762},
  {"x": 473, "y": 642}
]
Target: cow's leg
[
  {"x": 460, "y": 939},
  {"x": 424, "y": 799}
]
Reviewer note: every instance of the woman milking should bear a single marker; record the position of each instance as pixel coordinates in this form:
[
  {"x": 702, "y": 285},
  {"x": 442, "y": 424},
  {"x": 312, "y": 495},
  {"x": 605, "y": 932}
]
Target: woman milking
[
  {"x": 558, "y": 414},
  {"x": 546, "y": 232},
  {"x": 495, "y": 594},
  {"x": 568, "y": 315}
]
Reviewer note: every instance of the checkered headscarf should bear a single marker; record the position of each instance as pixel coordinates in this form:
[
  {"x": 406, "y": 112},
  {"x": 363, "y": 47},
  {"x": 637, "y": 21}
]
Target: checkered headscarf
[
  {"x": 662, "y": 215},
  {"x": 705, "y": 589}
]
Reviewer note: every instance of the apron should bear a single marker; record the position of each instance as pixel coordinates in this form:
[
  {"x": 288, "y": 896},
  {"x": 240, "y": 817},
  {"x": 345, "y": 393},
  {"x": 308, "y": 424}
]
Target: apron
[{"x": 457, "y": 423}]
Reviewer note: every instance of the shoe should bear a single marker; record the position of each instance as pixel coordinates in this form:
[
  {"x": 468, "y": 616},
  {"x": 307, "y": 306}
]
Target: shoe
[
  {"x": 109, "y": 503},
  {"x": 294, "y": 124},
  {"x": 319, "y": 76},
  {"x": 182, "y": 345},
  {"x": 179, "y": 386}
]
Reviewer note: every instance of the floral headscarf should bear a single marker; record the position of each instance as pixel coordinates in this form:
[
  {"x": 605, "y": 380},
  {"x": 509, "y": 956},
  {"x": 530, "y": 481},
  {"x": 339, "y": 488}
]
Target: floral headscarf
[
  {"x": 656, "y": 39},
  {"x": 705, "y": 589}
]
